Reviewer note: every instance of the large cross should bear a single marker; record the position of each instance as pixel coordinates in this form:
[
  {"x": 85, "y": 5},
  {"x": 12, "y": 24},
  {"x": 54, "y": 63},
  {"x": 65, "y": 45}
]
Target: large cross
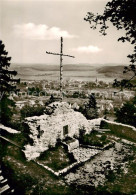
[{"x": 61, "y": 66}]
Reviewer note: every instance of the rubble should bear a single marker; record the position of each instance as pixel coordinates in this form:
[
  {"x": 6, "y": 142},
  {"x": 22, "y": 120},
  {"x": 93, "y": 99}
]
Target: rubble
[
  {"x": 84, "y": 154},
  {"x": 95, "y": 171},
  {"x": 45, "y": 130}
]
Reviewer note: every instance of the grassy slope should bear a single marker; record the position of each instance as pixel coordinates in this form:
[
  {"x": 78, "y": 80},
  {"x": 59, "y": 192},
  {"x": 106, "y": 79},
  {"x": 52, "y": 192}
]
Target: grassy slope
[
  {"x": 120, "y": 131},
  {"x": 27, "y": 177}
]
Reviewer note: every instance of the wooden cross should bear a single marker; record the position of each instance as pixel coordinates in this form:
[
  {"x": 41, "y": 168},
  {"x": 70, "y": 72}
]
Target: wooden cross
[{"x": 61, "y": 66}]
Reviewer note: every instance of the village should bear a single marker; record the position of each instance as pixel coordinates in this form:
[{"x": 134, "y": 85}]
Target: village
[{"x": 37, "y": 93}]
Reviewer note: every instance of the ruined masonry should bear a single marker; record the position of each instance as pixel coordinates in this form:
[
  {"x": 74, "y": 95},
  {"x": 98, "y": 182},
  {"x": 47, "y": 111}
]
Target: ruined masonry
[{"x": 59, "y": 121}]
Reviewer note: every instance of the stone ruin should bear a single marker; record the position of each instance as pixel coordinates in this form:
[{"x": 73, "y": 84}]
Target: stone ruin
[{"x": 58, "y": 122}]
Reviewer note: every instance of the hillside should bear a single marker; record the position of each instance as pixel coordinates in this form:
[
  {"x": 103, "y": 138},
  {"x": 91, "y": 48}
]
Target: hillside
[{"x": 113, "y": 71}]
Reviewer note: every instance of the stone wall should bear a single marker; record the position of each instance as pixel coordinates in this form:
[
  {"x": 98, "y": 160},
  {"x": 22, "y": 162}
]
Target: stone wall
[
  {"x": 72, "y": 145},
  {"x": 95, "y": 122},
  {"x": 46, "y": 129}
]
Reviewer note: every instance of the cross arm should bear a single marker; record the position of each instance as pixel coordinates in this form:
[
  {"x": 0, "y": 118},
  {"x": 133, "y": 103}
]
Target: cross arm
[
  {"x": 59, "y": 54},
  {"x": 53, "y": 53},
  {"x": 68, "y": 56}
]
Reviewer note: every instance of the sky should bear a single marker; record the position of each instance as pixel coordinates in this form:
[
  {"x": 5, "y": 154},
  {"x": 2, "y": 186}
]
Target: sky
[{"x": 29, "y": 28}]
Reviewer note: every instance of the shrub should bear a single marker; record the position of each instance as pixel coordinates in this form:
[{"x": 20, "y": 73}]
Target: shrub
[
  {"x": 90, "y": 110},
  {"x": 127, "y": 113},
  {"x": 28, "y": 111}
]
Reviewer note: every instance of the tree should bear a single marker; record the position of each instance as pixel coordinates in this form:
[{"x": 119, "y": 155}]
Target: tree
[
  {"x": 121, "y": 13},
  {"x": 90, "y": 110},
  {"x": 7, "y": 85},
  {"x": 127, "y": 113}
]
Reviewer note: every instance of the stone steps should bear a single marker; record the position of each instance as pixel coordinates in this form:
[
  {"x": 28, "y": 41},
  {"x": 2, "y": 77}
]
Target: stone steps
[{"x": 4, "y": 186}]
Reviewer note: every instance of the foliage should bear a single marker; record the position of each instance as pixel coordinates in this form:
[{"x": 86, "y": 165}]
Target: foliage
[
  {"x": 7, "y": 85},
  {"x": 6, "y": 111},
  {"x": 28, "y": 111},
  {"x": 90, "y": 110},
  {"x": 124, "y": 83},
  {"x": 121, "y": 13},
  {"x": 127, "y": 113},
  {"x": 76, "y": 94},
  {"x": 51, "y": 100},
  {"x": 94, "y": 140}
]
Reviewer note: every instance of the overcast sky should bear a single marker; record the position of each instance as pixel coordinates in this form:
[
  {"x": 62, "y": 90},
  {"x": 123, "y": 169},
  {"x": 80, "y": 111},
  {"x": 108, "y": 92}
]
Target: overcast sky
[{"x": 32, "y": 27}]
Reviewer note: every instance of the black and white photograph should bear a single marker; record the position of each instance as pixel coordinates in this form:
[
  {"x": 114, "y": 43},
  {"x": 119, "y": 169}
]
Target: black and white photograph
[{"x": 68, "y": 97}]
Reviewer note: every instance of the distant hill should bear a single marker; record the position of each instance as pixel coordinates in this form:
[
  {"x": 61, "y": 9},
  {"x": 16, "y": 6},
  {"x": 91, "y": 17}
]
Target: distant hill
[
  {"x": 113, "y": 71},
  {"x": 33, "y": 69},
  {"x": 81, "y": 71},
  {"x": 69, "y": 67}
]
